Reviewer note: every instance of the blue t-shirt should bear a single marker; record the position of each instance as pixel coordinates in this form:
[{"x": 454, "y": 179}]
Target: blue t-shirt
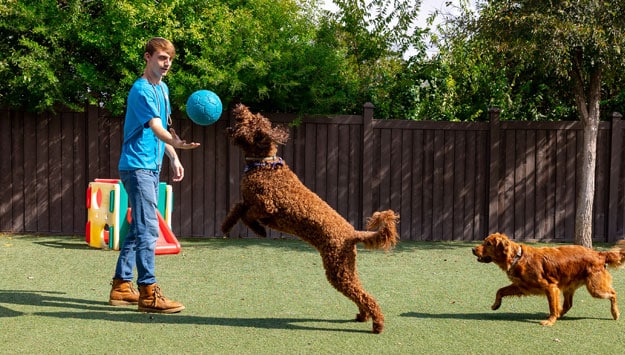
[{"x": 141, "y": 148}]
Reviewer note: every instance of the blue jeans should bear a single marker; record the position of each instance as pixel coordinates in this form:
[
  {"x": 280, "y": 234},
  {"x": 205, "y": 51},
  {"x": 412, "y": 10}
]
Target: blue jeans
[{"x": 140, "y": 242}]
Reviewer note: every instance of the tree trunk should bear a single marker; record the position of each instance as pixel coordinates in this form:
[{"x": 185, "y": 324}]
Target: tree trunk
[
  {"x": 588, "y": 107},
  {"x": 586, "y": 186}
]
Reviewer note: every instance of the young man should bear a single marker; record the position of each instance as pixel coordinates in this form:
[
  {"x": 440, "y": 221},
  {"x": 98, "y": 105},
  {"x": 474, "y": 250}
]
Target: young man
[{"x": 146, "y": 140}]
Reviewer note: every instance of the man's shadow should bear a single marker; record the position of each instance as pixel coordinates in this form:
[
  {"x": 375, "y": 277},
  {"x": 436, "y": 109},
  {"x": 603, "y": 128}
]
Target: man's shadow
[{"x": 43, "y": 299}]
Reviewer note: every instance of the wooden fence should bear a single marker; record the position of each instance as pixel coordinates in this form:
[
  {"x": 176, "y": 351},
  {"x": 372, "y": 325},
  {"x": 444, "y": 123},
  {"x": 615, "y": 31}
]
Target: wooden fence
[{"x": 447, "y": 180}]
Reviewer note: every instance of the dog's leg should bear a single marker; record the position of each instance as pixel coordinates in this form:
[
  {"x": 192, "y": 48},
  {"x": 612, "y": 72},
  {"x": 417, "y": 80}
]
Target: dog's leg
[
  {"x": 236, "y": 212},
  {"x": 568, "y": 301},
  {"x": 553, "y": 296},
  {"x": 341, "y": 273},
  {"x": 255, "y": 226},
  {"x": 599, "y": 285},
  {"x": 240, "y": 211},
  {"x": 511, "y": 290}
]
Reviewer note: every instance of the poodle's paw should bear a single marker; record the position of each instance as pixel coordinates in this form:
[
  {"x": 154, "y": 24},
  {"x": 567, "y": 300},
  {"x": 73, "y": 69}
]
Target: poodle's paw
[
  {"x": 362, "y": 317},
  {"x": 378, "y": 327}
]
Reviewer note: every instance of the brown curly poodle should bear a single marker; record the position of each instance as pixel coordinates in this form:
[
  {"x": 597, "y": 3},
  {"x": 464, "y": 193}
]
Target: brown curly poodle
[{"x": 274, "y": 197}]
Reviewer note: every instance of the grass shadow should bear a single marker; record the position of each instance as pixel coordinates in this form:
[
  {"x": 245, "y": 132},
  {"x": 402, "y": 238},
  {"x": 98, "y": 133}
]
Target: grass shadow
[
  {"x": 64, "y": 244},
  {"x": 94, "y": 310},
  {"x": 47, "y": 299},
  {"x": 491, "y": 316},
  {"x": 7, "y": 313},
  {"x": 276, "y": 323}
]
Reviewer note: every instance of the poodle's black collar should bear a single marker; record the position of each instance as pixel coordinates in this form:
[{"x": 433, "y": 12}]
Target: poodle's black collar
[{"x": 272, "y": 161}]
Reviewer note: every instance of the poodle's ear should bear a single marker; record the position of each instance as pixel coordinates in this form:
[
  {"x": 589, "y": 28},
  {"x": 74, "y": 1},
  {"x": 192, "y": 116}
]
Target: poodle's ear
[
  {"x": 240, "y": 109},
  {"x": 279, "y": 134}
]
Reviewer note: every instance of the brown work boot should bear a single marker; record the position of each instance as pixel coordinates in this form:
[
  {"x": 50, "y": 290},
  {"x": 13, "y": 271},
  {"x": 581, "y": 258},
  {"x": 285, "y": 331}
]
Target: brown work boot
[
  {"x": 123, "y": 293},
  {"x": 151, "y": 300}
]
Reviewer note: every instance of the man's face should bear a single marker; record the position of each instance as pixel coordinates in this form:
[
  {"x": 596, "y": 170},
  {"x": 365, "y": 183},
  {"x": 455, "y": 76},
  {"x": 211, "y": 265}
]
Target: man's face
[{"x": 158, "y": 63}]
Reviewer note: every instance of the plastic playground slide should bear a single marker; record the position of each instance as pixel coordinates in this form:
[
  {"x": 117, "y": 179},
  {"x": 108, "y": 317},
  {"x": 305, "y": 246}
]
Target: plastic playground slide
[{"x": 166, "y": 242}]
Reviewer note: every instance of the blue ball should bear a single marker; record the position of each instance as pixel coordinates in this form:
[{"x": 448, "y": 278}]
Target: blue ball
[{"x": 204, "y": 107}]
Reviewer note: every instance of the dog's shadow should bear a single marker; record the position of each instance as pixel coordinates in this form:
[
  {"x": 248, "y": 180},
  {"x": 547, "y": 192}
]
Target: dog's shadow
[
  {"x": 492, "y": 316},
  {"x": 97, "y": 310}
]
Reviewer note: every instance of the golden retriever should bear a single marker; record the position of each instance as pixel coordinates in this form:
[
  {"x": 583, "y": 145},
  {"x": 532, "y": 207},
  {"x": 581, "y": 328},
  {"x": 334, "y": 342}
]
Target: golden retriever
[{"x": 549, "y": 270}]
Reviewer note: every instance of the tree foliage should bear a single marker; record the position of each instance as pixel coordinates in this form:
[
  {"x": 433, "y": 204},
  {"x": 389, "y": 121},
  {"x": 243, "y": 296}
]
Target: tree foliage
[
  {"x": 376, "y": 35},
  {"x": 275, "y": 55},
  {"x": 288, "y": 55},
  {"x": 72, "y": 52},
  {"x": 505, "y": 53},
  {"x": 571, "y": 41}
]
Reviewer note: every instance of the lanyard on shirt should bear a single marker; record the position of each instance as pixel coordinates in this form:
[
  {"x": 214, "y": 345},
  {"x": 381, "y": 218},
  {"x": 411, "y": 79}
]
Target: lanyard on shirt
[
  {"x": 168, "y": 122},
  {"x": 158, "y": 104}
]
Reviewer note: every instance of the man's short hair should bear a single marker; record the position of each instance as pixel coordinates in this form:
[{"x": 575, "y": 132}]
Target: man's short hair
[{"x": 160, "y": 44}]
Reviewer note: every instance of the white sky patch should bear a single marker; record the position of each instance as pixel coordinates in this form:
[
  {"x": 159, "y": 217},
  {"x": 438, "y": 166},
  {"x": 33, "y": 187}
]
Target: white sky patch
[{"x": 427, "y": 8}]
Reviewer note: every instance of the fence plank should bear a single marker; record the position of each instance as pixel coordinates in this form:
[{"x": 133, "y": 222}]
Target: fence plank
[
  {"x": 6, "y": 180},
  {"x": 355, "y": 177},
  {"x": 79, "y": 147},
  {"x": 519, "y": 181},
  {"x": 494, "y": 170},
  {"x": 42, "y": 160},
  {"x": 30, "y": 170},
  {"x": 17, "y": 164},
  {"x": 417, "y": 199},
  {"x": 367, "y": 163},
  {"x": 332, "y": 165},
  {"x": 428, "y": 187},
  {"x": 222, "y": 203},
  {"x": 481, "y": 187},
  {"x": 459, "y": 178},
  {"x": 405, "y": 175},
  {"x": 614, "y": 193}
]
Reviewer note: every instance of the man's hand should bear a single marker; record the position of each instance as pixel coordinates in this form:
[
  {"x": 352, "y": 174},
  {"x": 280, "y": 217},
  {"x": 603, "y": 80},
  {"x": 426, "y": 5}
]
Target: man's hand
[
  {"x": 180, "y": 143},
  {"x": 177, "y": 170}
]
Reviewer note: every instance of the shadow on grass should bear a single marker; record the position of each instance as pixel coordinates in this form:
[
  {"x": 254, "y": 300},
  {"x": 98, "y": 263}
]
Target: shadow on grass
[
  {"x": 44, "y": 299},
  {"x": 65, "y": 244},
  {"x": 129, "y": 316},
  {"x": 494, "y": 316},
  {"x": 94, "y": 310},
  {"x": 7, "y": 313}
]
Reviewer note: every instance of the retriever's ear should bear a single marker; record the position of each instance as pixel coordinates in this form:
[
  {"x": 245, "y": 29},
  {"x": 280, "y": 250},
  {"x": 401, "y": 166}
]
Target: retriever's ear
[{"x": 502, "y": 244}]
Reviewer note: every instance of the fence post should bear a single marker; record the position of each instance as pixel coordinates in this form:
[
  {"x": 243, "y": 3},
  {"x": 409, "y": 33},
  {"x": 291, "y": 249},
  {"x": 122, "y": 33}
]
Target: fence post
[
  {"x": 367, "y": 164},
  {"x": 493, "y": 177},
  {"x": 616, "y": 148}
]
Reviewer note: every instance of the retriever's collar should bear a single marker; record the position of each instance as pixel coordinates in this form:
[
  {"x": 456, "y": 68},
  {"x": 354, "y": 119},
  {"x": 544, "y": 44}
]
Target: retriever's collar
[
  {"x": 256, "y": 162},
  {"x": 516, "y": 259}
]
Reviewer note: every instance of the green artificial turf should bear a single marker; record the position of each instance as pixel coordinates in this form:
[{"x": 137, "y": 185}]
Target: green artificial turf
[{"x": 271, "y": 297}]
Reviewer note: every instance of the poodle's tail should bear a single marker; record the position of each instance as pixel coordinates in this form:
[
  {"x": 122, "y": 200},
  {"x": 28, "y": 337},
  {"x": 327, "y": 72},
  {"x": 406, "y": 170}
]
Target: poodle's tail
[
  {"x": 382, "y": 233},
  {"x": 615, "y": 257}
]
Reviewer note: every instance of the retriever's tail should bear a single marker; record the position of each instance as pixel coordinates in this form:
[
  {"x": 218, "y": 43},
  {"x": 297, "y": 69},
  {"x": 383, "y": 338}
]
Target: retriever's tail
[
  {"x": 382, "y": 232},
  {"x": 615, "y": 257}
]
